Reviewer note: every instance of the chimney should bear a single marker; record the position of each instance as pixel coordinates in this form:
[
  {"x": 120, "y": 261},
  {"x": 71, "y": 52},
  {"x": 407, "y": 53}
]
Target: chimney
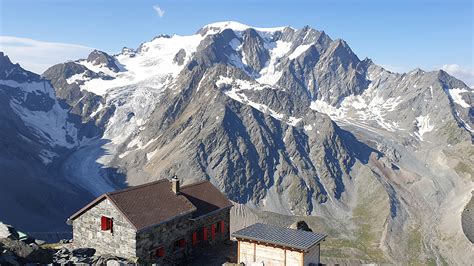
[{"x": 175, "y": 185}]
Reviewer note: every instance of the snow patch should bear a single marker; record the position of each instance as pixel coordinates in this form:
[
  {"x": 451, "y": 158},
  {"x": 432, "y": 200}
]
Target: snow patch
[
  {"x": 235, "y": 44},
  {"x": 299, "y": 50},
  {"x": 153, "y": 63},
  {"x": 293, "y": 121},
  {"x": 151, "y": 154},
  {"x": 76, "y": 77},
  {"x": 423, "y": 124},
  {"x": 457, "y": 98},
  {"x": 97, "y": 68},
  {"x": 366, "y": 107},
  {"x": 270, "y": 73},
  {"x": 31, "y": 87},
  {"x": 236, "y": 26},
  {"x": 236, "y": 93},
  {"x": 52, "y": 124}
]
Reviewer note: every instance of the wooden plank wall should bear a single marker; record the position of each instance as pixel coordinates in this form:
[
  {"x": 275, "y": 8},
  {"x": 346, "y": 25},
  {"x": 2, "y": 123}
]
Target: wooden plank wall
[{"x": 250, "y": 253}]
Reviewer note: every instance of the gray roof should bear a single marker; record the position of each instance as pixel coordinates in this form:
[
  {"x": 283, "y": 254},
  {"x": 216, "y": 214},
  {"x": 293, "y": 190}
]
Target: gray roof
[{"x": 281, "y": 236}]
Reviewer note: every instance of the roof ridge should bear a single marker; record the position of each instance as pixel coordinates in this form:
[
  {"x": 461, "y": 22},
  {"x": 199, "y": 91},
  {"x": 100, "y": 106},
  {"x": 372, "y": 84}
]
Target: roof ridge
[
  {"x": 136, "y": 187},
  {"x": 287, "y": 227},
  {"x": 196, "y": 183}
]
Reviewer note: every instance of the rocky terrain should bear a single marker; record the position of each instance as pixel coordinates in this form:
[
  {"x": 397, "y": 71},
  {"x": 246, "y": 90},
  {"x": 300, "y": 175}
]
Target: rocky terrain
[
  {"x": 17, "y": 248},
  {"x": 289, "y": 123}
]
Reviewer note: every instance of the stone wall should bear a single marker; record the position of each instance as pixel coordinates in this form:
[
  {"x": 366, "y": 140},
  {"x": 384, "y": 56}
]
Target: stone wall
[
  {"x": 87, "y": 231},
  {"x": 165, "y": 235}
]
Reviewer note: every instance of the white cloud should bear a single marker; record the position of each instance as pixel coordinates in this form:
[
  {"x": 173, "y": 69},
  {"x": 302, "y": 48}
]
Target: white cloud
[
  {"x": 37, "y": 56},
  {"x": 463, "y": 73},
  {"x": 159, "y": 10}
]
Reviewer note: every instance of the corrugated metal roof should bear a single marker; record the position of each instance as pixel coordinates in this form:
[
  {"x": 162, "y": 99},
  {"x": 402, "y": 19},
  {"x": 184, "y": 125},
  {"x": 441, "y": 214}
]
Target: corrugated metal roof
[{"x": 280, "y": 236}]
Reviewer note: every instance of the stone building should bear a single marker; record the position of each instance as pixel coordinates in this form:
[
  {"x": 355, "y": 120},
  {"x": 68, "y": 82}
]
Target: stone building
[
  {"x": 157, "y": 222},
  {"x": 263, "y": 244}
]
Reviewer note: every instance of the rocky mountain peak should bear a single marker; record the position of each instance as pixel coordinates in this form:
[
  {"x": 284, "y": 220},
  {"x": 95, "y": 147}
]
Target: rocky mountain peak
[
  {"x": 235, "y": 26},
  {"x": 99, "y": 58},
  {"x": 128, "y": 51},
  {"x": 253, "y": 49},
  {"x": 341, "y": 50},
  {"x": 4, "y": 60},
  {"x": 10, "y": 71}
]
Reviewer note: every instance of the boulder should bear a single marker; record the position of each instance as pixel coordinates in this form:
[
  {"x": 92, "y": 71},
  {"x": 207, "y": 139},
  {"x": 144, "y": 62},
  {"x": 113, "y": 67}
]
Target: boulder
[
  {"x": 27, "y": 253},
  {"x": 301, "y": 225},
  {"x": 39, "y": 242},
  {"x": 7, "y": 231},
  {"x": 116, "y": 263},
  {"x": 83, "y": 252},
  {"x": 110, "y": 260},
  {"x": 8, "y": 258}
]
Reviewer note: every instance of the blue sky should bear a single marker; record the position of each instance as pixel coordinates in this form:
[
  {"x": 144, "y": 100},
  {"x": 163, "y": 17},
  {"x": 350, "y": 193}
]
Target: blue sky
[{"x": 399, "y": 35}]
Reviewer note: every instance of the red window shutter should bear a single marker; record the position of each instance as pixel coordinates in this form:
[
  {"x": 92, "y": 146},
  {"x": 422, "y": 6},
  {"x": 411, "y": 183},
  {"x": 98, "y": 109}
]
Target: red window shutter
[
  {"x": 104, "y": 223},
  {"x": 222, "y": 227},
  {"x": 204, "y": 233},
  {"x": 195, "y": 240},
  {"x": 213, "y": 231},
  {"x": 182, "y": 243},
  {"x": 160, "y": 252}
]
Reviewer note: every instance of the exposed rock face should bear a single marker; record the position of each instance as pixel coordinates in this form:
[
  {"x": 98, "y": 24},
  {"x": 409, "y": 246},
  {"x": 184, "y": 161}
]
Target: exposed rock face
[
  {"x": 253, "y": 50},
  {"x": 285, "y": 122},
  {"x": 24, "y": 253},
  {"x": 35, "y": 131},
  {"x": 101, "y": 59}
]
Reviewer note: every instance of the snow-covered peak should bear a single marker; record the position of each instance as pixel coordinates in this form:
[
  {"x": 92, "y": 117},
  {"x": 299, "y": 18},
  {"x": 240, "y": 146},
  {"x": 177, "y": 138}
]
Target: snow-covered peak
[
  {"x": 237, "y": 26},
  {"x": 153, "y": 62}
]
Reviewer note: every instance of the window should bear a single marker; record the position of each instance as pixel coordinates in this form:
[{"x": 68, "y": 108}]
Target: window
[
  {"x": 195, "y": 238},
  {"x": 180, "y": 244},
  {"x": 106, "y": 223},
  {"x": 221, "y": 227},
  {"x": 160, "y": 252},
  {"x": 213, "y": 231},
  {"x": 200, "y": 235}
]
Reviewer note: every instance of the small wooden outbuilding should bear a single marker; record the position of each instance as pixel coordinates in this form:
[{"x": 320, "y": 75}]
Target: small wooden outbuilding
[{"x": 263, "y": 244}]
